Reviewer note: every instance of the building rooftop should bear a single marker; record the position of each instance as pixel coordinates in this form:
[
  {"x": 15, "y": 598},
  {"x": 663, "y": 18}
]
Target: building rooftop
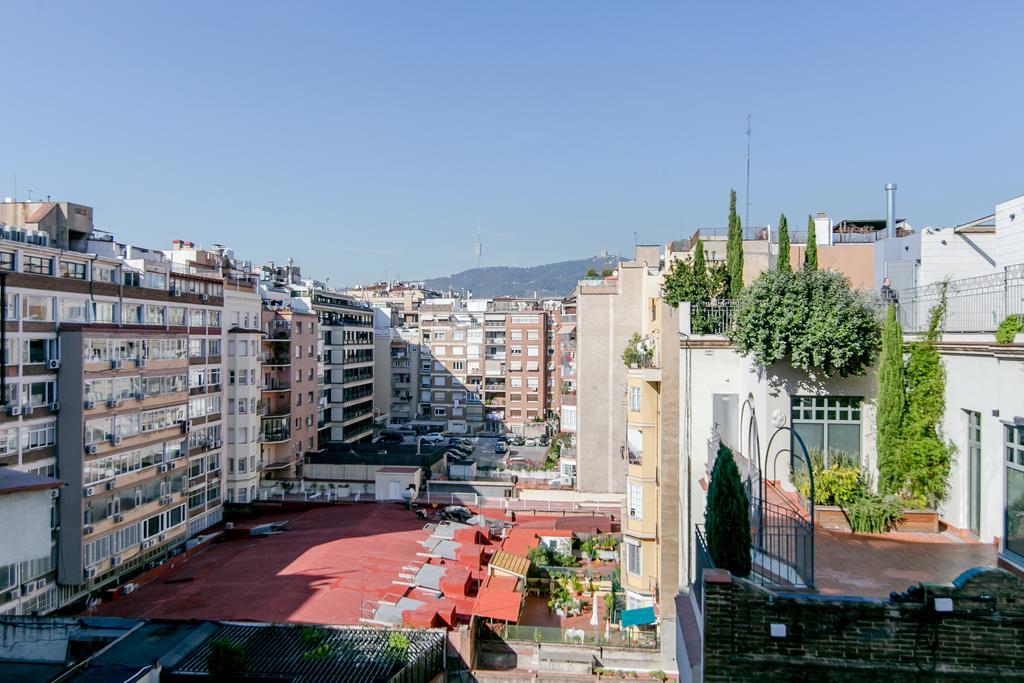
[{"x": 13, "y": 481}]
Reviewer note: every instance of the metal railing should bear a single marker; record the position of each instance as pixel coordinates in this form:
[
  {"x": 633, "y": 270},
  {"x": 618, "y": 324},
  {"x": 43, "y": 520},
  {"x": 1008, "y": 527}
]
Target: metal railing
[
  {"x": 714, "y": 318},
  {"x": 782, "y": 544},
  {"x": 702, "y": 561},
  {"x": 975, "y": 304},
  {"x": 645, "y": 640}
]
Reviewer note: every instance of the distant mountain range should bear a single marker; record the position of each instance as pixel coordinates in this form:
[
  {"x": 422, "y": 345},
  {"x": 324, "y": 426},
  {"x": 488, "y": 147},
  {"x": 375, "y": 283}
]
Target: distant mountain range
[{"x": 549, "y": 280}]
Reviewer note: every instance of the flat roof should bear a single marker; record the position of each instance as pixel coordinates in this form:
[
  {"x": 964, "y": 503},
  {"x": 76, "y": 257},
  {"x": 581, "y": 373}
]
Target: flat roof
[
  {"x": 398, "y": 469},
  {"x": 13, "y": 481}
]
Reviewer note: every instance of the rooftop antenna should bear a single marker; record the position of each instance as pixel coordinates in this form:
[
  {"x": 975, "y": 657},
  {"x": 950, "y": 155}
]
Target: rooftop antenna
[
  {"x": 746, "y": 216},
  {"x": 477, "y": 248}
]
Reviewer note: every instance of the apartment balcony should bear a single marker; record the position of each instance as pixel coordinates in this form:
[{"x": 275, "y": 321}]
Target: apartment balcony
[
  {"x": 277, "y": 412},
  {"x": 495, "y": 356},
  {"x": 648, "y": 369},
  {"x": 399, "y": 363},
  {"x": 276, "y": 386},
  {"x": 277, "y": 361},
  {"x": 492, "y": 388},
  {"x": 276, "y": 436}
]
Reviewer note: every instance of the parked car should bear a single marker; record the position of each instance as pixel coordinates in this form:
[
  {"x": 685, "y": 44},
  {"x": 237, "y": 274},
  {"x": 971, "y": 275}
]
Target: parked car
[
  {"x": 530, "y": 442},
  {"x": 518, "y": 441},
  {"x": 543, "y": 441},
  {"x": 500, "y": 447},
  {"x": 433, "y": 437}
]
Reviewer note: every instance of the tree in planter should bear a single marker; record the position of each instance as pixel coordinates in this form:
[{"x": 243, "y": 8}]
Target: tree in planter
[
  {"x": 783, "y": 262},
  {"x": 638, "y": 351},
  {"x": 728, "y": 516},
  {"x": 812, "y": 318},
  {"x": 734, "y": 249},
  {"x": 892, "y": 403},
  {"x": 811, "y": 255}
]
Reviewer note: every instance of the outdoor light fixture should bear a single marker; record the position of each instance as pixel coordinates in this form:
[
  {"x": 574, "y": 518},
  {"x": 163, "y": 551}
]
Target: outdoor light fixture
[{"x": 778, "y": 418}]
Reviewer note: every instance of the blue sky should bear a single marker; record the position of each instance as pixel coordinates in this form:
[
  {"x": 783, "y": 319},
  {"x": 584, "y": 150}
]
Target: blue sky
[{"x": 369, "y": 139}]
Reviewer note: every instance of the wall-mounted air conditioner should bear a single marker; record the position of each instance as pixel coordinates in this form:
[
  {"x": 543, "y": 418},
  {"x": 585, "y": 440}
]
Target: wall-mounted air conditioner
[
  {"x": 53, "y": 363},
  {"x": 92, "y": 450}
]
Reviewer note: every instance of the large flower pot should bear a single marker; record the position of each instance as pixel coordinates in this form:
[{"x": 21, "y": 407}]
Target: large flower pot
[{"x": 925, "y": 521}]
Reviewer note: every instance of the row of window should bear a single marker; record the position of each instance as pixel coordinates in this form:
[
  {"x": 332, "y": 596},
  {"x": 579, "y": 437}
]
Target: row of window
[
  {"x": 205, "y": 435},
  {"x": 38, "y": 308},
  {"x": 124, "y": 539},
  {"x": 98, "y": 508},
  {"x": 41, "y": 435},
  {"x": 44, "y": 265},
  {"x": 100, "y": 429},
  {"x": 122, "y": 349},
  {"x": 111, "y": 466},
  {"x": 126, "y": 388}
]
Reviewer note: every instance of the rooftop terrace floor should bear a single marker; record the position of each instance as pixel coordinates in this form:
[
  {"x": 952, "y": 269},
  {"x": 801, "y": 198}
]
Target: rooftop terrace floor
[
  {"x": 319, "y": 571},
  {"x": 874, "y": 565}
]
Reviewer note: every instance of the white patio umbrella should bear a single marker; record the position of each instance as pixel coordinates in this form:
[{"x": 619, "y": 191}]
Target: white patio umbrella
[{"x": 593, "y": 615}]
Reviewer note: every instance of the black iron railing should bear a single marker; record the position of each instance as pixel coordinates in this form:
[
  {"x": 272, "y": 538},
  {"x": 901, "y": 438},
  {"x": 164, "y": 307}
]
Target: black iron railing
[
  {"x": 783, "y": 546},
  {"x": 702, "y": 561}
]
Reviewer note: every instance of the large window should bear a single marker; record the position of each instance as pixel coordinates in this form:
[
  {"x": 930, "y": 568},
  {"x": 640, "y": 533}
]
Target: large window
[
  {"x": 828, "y": 423},
  {"x": 636, "y": 500},
  {"x": 1013, "y": 446},
  {"x": 634, "y": 399},
  {"x": 39, "y": 265},
  {"x": 634, "y": 558}
]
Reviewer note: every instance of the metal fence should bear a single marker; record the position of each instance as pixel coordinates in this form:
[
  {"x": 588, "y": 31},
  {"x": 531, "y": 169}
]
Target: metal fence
[
  {"x": 783, "y": 546},
  {"x": 715, "y": 318},
  {"x": 634, "y": 638},
  {"x": 702, "y": 561},
  {"x": 975, "y": 304}
]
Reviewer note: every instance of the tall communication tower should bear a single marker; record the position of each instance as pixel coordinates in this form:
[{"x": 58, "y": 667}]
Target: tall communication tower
[{"x": 477, "y": 248}]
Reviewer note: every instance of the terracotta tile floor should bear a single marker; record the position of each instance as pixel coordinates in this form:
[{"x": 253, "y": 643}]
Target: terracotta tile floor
[{"x": 872, "y": 565}]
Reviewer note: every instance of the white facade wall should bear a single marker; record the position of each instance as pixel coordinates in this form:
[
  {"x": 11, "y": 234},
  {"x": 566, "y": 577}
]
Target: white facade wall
[
  {"x": 989, "y": 384},
  {"x": 1010, "y": 232},
  {"x": 25, "y": 531},
  {"x": 947, "y": 254},
  {"x": 242, "y": 359}
]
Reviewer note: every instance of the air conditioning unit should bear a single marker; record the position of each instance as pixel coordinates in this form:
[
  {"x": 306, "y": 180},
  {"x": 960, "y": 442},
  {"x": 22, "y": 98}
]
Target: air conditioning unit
[
  {"x": 118, "y": 518},
  {"x": 113, "y": 403},
  {"x": 13, "y": 594},
  {"x": 31, "y": 587},
  {"x": 111, "y": 484},
  {"x": 115, "y": 439},
  {"x": 216, "y": 444},
  {"x": 14, "y": 411},
  {"x": 165, "y": 500},
  {"x": 140, "y": 363},
  {"x": 128, "y": 589},
  {"x": 54, "y": 493},
  {"x": 27, "y": 409},
  {"x": 162, "y": 537},
  {"x": 53, "y": 364},
  {"x": 144, "y": 428},
  {"x": 145, "y": 544},
  {"x": 89, "y": 405},
  {"x": 92, "y": 450},
  {"x": 171, "y": 465},
  {"x": 89, "y": 491},
  {"x": 115, "y": 560},
  {"x": 90, "y": 572},
  {"x": 116, "y": 364},
  {"x": 55, "y": 406},
  {"x": 161, "y": 468},
  {"x": 87, "y": 529},
  {"x": 175, "y": 291}
]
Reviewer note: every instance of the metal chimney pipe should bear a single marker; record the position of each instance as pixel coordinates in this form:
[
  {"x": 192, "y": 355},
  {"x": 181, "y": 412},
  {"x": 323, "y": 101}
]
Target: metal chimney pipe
[{"x": 890, "y": 213}]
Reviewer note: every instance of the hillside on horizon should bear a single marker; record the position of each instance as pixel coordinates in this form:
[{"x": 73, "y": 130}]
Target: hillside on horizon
[{"x": 547, "y": 280}]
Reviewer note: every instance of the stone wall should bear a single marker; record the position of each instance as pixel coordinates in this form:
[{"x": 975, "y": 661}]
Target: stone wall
[{"x": 753, "y": 634}]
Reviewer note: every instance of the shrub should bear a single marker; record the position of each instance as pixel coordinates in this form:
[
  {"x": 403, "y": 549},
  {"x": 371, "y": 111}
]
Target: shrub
[
  {"x": 874, "y": 514},
  {"x": 540, "y": 556},
  {"x": 398, "y": 643},
  {"x": 637, "y": 352},
  {"x": 226, "y": 661},
  {"x": 728, "y": 516},
  {"x": 810, "y": 317},
  {"x": 838, "y": 485},
  {"x": 892, "y": 399},
  {"x": 1009, "y": 328}
]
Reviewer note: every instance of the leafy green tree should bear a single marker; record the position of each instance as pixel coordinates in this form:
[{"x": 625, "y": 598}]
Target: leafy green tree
[
  {"x": 812, "y": 318},
  {"x": 811, "y": 255},
  {"x": 892, "y": 405},
  {"x": 728, "y": 516},
  {"x": 700, "y": 273},
  {"x": 607, "y": 272},
  {"x": 734, "y": 249},
  {"x": 783, "y": 263}
]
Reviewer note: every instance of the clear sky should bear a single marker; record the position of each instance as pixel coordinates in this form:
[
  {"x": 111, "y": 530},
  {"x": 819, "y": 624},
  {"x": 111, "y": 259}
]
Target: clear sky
[{"x": 369, "y": 139}]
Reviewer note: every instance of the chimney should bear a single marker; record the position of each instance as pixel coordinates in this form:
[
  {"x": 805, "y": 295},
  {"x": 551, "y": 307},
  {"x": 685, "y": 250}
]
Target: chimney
[
  {"x": 890, "y": 211},
  {"x": 176, "y": 245}
]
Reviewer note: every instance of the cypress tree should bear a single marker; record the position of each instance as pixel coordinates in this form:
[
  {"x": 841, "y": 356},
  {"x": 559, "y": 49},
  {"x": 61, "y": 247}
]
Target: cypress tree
[
  {"x": 728, "y": 516},
  {"x": 892, "y": 405},
  {"x": 701, "y": 286},
  {"x": 734, "y": 249},
  {"x": 811, "y": 257},
  {"x": 783, "y": 263}
]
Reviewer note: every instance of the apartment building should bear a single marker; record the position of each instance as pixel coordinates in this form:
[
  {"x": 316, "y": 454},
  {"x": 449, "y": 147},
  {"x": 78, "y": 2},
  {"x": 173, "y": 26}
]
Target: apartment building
[
  {"x": 241, "y": 343},
  {"x": 451, "y": 352},
  {"x": 403, "y": 377},
  {"x": 289, "y": 406}
]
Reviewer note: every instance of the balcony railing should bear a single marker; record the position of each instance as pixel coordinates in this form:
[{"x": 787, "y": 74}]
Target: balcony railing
[
  {"x": 711, "y": 319},
  {"x": 633, "y": 638},
  {"x": 975, "y": 304},
  {"x": 702, "y": 561}
]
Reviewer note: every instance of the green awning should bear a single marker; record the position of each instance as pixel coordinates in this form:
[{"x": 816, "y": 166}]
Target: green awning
[{"x": 637, "y": 617}]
